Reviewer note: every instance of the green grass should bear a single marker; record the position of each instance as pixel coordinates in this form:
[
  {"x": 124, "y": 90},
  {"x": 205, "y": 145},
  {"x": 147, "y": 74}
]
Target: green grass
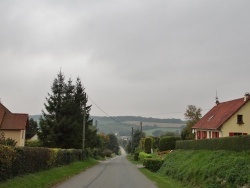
[
  {"x": 48, "y": 178},
  {"x": 160, "y": 180},
  {"x": 203, "y": 168}
]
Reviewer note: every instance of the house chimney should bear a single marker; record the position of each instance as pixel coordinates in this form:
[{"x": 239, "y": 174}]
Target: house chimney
[{"x": 246, "y": 96}]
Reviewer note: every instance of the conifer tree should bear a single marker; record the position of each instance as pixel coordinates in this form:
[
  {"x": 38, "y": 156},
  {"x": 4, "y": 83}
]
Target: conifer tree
[
  {"x": 50, "y": 118},
  {"x": 62, "y": 123}
]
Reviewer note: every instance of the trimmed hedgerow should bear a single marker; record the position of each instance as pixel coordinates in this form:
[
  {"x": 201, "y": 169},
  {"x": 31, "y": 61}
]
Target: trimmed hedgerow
[
  {"x": 7, "y": 157},
  {"x": 235, "y": 143},
  {"x": 30, "y": 160},
  {"x": 167, "y": 143},
  {"x": 23, "y": 160},
  {"x": 153, "y": 164}
]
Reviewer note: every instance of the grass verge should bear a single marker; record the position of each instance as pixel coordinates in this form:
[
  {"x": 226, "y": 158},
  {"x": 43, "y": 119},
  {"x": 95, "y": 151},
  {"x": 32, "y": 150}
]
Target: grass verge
[
  {"x": 48, "y": 178},
  {"x": 160, "y": 180}
]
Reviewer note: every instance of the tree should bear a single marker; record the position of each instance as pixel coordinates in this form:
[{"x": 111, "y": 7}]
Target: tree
[
  {"x": 49, "y": 121},
  {"x": 192, "y": 115},
  {"x": 135, "y": 141},
  {"x": 113, "y": 144},
  {"x": 62, "y": 122},
  {"x": 32, "y": 129}
]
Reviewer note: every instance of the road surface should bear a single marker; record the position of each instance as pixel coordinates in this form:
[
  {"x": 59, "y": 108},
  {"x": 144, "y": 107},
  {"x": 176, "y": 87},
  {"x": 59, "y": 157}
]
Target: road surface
[{"x": 114, "y": 173}]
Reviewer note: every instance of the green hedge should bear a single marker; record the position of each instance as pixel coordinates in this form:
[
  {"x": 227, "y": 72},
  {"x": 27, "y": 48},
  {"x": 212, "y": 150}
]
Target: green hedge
[
  {"x": 23, "y": 160},
  {"x": 235, "y": 143},
  {"x": 148, "y": 145},
  {"x": 143, "y": 155},
  {"x": 167, "y": 143},
  {"x": 153, "y": 164}
]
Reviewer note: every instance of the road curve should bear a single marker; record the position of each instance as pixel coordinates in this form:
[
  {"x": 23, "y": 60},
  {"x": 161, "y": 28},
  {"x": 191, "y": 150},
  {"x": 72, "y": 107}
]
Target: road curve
[{"x": 114, "y": 173}]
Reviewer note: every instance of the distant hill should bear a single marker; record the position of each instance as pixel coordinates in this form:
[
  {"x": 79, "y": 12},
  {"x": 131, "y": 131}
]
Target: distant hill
[
  {"x": 123, "y": 124},
  {"x": 137, "y": 118},
  {"x": 35, "y": 117}
]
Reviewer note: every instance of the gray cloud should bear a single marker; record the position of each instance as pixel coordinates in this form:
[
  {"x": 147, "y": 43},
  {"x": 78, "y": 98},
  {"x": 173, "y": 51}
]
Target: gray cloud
[{"x": 134, "y": 57}]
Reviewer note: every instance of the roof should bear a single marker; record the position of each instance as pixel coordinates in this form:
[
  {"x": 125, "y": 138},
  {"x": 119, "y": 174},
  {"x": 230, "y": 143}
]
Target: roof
[
  {"x": 12, "y": 121},
  {"x": 219, "y": 114}
]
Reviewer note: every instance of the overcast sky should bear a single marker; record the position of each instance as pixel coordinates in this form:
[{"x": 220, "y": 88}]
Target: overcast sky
[{"x": 147, "y": 58}]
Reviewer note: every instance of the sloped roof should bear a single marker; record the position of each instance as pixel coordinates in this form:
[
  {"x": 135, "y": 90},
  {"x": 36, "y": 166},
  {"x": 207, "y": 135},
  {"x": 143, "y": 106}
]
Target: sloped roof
[
  {"x": 219, "y": 114},
  {"x": 3, "y": 110},
  {"x": 12, "y": 121}
]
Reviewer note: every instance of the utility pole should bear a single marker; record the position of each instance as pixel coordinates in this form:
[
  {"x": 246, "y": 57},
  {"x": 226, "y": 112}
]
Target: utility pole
[
  {"x": 141, "y": 128},
  {"x": 83, "y": 130},
  {"x": 132, "y": 141}
]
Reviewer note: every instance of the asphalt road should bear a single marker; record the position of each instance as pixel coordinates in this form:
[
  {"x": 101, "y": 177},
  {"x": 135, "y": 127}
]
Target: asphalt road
[{"x": 114, "y": 173}]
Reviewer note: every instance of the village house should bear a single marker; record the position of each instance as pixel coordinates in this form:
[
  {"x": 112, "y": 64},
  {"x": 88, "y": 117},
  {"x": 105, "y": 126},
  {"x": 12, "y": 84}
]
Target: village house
[
  {"x": 225, "y": 119},
  {"x": 13, "y": 125}
]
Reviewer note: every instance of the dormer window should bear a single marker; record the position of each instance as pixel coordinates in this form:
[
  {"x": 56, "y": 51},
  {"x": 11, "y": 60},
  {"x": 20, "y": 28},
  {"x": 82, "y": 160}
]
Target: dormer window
[{"x": 240, "y": 119}]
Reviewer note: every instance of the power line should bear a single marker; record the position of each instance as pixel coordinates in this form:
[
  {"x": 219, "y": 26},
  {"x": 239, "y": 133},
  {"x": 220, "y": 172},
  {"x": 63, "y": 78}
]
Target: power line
[{"x": 105, "y": 112}]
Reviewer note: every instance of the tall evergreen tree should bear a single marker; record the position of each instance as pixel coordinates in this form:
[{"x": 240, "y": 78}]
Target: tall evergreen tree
[
  {"x": 50, "y": 118},
  {"x": 62, "y": 123}
]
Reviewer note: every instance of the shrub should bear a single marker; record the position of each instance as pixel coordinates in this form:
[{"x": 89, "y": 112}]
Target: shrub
[
  {"x": 24, "y": 160},
  {"x": 143, "y": 155},
  {"x": 30, "y": 160},
  {"x": 153, "y": 164},
  {"x": 88, "y": 152},
  {"x": 136, "y": 156},
  {"x": 167, "y": 143},
  {"x": 107, "y": 152},
  {"x": 148, "y": 145},
  {"x": 7, "y": 156},
  {"x": 33, "y": 143},
  {"x": 235, "y": 143}
]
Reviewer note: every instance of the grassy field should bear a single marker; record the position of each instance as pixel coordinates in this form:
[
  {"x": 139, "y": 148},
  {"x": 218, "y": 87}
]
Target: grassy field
[
  {"x": 165, "y": 129},
  {"x": 177, "y": 125},
  {"x": 48, "y": 178}
]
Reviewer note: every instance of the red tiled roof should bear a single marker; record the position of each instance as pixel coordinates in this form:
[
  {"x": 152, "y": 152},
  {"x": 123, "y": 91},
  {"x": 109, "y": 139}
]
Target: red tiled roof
[
  {"x": 12, "y": 121},
  {"x": 219, "y": 114},
  {"x": 3, "y": 110}
]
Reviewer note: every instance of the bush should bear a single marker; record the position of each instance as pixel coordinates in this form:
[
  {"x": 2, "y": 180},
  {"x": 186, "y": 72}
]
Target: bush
[
  {"x": 148, "y": 145},
  {"x": 30, "y": 160},
  {"x": 136, "y": 156},
  {"x": 235, "y": 143},
  {"x": 143, "y": 155},
  {"x": 107, "y": 152},
  {"x": 23, "y": 160},
  {"x": 7, "y": 156},
  {"x": 167, "y": 143},
  {"x": 153, "y": 164},
  {"x": 33, "y": 143}
]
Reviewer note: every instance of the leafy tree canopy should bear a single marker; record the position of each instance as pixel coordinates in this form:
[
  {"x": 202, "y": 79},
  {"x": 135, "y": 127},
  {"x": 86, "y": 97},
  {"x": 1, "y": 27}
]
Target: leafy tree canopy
[{"x": 192, "y": 115}]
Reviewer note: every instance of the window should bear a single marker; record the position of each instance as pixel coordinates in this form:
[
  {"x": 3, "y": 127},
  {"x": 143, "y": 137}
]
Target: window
[
  {"x": 240, "y": 119},
  {"x": 215, "y": 135},
  {"x": 236, "y": 134}
]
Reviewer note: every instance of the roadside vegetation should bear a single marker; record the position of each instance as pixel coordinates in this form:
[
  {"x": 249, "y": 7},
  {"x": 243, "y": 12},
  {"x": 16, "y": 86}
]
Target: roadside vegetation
[
  {"x": 160, "y": 180},
  {"x": 208, "y": 168},
  {"x": 48, "y": 178}
]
